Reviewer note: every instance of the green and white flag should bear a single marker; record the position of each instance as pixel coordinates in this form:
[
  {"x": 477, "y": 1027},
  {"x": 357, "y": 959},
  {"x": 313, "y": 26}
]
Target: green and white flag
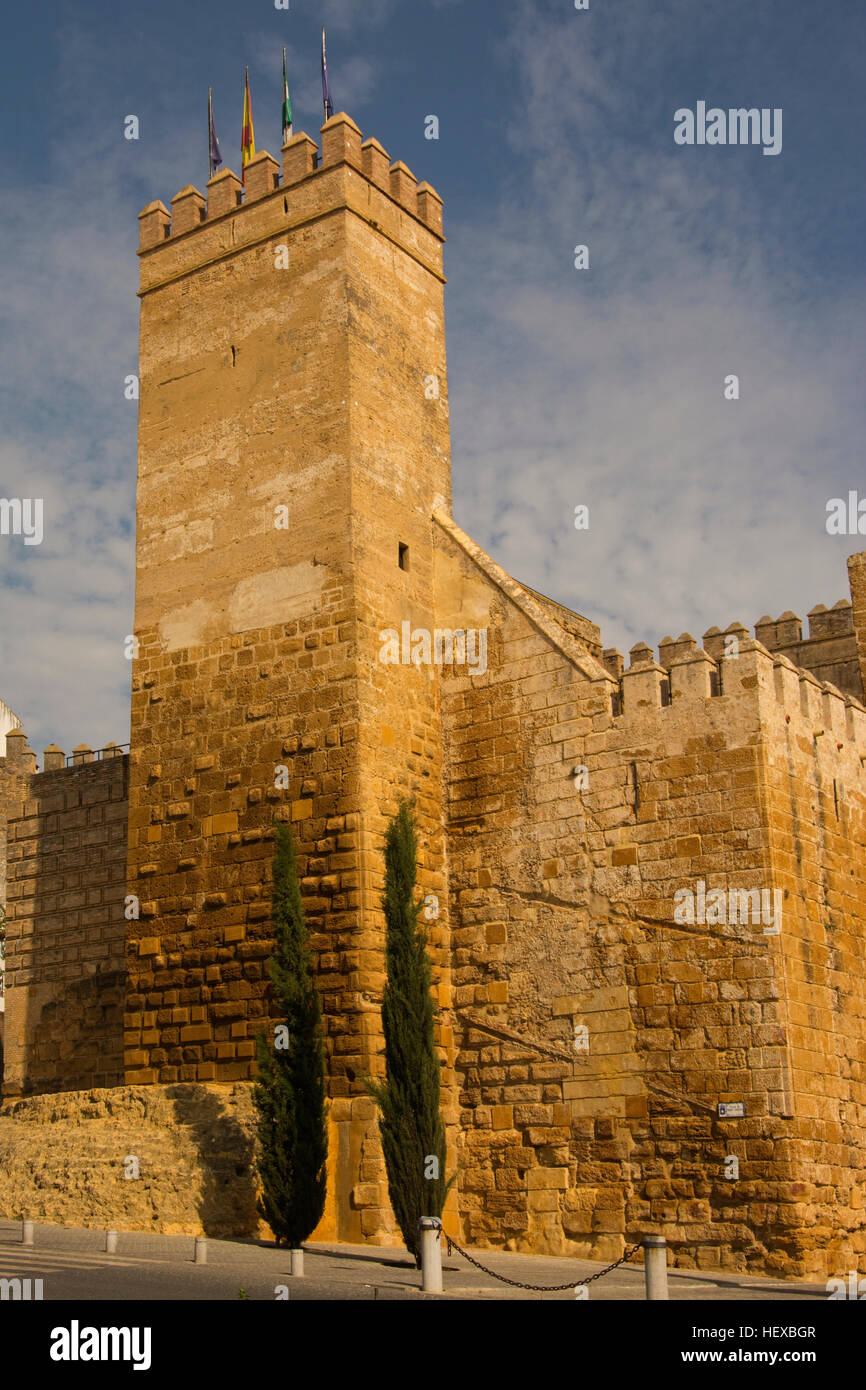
[{"x": 287, "y": 106}]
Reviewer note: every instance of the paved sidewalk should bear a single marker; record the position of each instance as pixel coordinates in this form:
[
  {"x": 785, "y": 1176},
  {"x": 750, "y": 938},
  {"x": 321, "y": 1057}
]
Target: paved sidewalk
[{"x": 73, "y": 1265}]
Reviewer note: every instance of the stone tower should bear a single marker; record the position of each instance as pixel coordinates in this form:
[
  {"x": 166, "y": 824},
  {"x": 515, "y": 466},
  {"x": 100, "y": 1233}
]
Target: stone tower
[{"x": 293, "y": 446}]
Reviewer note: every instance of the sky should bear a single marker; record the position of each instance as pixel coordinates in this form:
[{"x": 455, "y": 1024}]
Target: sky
[{"x": 601, "y": 387}]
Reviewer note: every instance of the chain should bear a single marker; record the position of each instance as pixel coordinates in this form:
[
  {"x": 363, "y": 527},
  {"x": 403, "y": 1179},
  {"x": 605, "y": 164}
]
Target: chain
[{"x": 540, "y": 1288}]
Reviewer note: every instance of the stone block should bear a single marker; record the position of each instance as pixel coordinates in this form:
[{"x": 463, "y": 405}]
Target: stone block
[
  {"x": 546, "y": 1178},
  {"x": 221, "y": 824}
]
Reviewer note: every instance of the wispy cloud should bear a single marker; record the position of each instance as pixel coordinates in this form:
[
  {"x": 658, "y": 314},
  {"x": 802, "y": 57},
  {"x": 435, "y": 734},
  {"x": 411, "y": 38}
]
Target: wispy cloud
[
  {"x": 601, "y": 387},
  {"x": 68, "y": 339},
  {"x": 605, "y": 387}
]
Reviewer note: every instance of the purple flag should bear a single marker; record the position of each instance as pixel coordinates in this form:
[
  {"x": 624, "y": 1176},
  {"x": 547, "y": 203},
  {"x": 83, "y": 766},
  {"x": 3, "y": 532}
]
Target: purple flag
[
  {"x": 326, "y": 86},
  {"x": 216, "y": 158}
]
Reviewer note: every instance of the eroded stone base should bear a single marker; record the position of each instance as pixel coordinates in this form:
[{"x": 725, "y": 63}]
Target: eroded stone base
[{"x": 63, "y": 1159}]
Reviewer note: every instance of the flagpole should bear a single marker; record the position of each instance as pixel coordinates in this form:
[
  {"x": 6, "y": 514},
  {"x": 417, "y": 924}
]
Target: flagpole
[{"x": 209, "y": 129}]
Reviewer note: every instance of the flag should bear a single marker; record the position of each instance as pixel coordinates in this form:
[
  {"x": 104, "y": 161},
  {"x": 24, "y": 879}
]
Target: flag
[
  {"x": 215, "y": 157},
  {"x": 326, "y": 86},
  {"x": 287, "y": 106},
  {"x": 248, "y": 139}
]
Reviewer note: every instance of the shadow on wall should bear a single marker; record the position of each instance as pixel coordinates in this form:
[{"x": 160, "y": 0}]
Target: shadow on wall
[
  {"x": 225, "y": 1145},
  {"x": 65, "y": 962},
  {"x": 75, "y": 1036}
]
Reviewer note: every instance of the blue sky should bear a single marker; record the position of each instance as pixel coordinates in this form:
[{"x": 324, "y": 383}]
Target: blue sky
[{"x": 602, "y": 387}]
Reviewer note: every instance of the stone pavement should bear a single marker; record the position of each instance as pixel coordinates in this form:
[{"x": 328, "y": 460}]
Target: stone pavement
[{"x": 73, "y": 1265}]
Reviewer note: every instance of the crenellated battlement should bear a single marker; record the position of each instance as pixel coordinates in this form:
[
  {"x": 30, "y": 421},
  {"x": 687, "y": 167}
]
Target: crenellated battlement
[
  {"x": 346, "y": 172},
  {"x": 829, "y": 655},
  {"x": 754, "y": 689},
  {"x": 20, "y": 756}
]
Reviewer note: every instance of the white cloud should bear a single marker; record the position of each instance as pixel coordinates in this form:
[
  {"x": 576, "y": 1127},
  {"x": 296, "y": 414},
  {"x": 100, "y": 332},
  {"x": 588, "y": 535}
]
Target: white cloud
[
  {"x": 606, "y": 387},
  {"x": 565, "y": 388}
]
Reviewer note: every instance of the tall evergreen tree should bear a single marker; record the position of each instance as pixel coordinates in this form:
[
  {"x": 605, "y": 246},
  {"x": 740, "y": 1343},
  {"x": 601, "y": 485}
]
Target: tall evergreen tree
[
  {"x": 413, "y": 1135},
  {"x": 289, "y": 1093}
]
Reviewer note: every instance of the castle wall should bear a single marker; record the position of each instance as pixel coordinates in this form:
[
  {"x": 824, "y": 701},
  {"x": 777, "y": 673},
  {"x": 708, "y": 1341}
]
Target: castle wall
[
  {"x": 753, "y": 813},
  {"x": 563, "y": 907},
  {"x": 65, "y": 945},
  {"x": 523, "y": 903}
]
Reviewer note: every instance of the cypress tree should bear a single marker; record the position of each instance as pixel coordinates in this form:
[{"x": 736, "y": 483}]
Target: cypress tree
[
  {"x": 289, "y": 1093},
  {"x": 413, "y": 1135}
]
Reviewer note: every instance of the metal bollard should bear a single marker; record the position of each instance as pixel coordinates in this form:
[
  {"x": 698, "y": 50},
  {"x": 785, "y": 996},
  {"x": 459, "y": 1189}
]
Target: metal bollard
[
  {"x": 201, "y": 1250},
  {"x": 297, "y": 1267},
  {"x": 431, "y": 1254},
  {"x": 26, "y": 1232},
  {"x": 111, "y": 1242},
  {"x": 655, "y": 1255}
]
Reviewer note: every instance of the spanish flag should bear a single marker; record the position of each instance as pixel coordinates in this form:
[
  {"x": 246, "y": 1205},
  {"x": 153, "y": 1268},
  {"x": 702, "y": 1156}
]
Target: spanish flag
[{"x": 248, "y": 139}]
